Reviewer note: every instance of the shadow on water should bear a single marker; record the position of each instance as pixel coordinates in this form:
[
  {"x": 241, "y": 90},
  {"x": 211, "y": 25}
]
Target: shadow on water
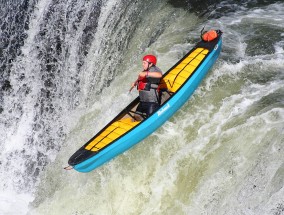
[
  {"x": 218, "y": 8},
  {"x": 261, "y": 39}
]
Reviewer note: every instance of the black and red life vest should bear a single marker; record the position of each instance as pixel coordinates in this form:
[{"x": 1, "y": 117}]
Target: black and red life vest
[
  {"x": 142, "y": 82},
  {"x": 147, "y": 83}
]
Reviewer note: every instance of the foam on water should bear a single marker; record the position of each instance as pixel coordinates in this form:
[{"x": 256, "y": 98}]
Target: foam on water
[{"x": 14, "y": 203}]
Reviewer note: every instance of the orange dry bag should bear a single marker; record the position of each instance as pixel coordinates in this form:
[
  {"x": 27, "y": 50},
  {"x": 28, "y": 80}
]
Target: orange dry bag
[{"x": 209, "y": 35}]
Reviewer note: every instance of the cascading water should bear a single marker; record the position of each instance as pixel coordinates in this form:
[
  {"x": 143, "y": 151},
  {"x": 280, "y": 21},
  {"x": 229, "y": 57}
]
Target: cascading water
[{"x": 67, "y": 66}]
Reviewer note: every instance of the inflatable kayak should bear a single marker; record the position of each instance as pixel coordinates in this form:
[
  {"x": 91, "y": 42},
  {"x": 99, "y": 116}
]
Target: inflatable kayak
[{"x": 123, "y": 132}]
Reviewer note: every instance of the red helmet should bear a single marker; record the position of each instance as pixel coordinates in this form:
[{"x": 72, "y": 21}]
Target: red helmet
[{"x": 150, "y": 59}]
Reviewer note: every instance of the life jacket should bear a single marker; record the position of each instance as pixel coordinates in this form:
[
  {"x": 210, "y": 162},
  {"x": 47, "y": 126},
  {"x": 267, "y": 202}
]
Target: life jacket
[
  {"x": 147, "y": 83},
  {"x": 142, "y": 82},
  {"x": 149, "y": 87}
]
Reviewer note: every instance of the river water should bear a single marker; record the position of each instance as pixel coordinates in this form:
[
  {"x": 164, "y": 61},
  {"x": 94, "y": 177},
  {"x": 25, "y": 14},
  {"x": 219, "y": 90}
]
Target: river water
[{"x": 66, "y": 67}]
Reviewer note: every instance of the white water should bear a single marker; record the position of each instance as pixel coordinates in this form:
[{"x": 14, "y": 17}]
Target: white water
[{"x": 222, "y": 153}]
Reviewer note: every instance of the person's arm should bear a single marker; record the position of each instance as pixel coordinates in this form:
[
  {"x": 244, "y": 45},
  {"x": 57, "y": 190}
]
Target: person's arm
[
  {"x": 133, "y": 85},
  {"x": 144, "y": 74},
  {"x": 151, "y": 74}
]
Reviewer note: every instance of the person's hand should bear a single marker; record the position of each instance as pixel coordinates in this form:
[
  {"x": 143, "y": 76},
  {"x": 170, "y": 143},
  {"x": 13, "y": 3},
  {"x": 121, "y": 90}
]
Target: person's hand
[
  {"x": 142, "y": 74},
  {"x": 133, "y": 85}
]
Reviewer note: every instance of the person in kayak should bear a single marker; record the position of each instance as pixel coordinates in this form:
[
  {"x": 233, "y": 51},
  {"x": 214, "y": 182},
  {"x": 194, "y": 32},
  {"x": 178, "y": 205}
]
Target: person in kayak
[{"x": 148, "y": 86}]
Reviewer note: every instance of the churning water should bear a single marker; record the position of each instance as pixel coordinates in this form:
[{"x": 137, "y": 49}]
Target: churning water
[{"x": 66, "y": 67}]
